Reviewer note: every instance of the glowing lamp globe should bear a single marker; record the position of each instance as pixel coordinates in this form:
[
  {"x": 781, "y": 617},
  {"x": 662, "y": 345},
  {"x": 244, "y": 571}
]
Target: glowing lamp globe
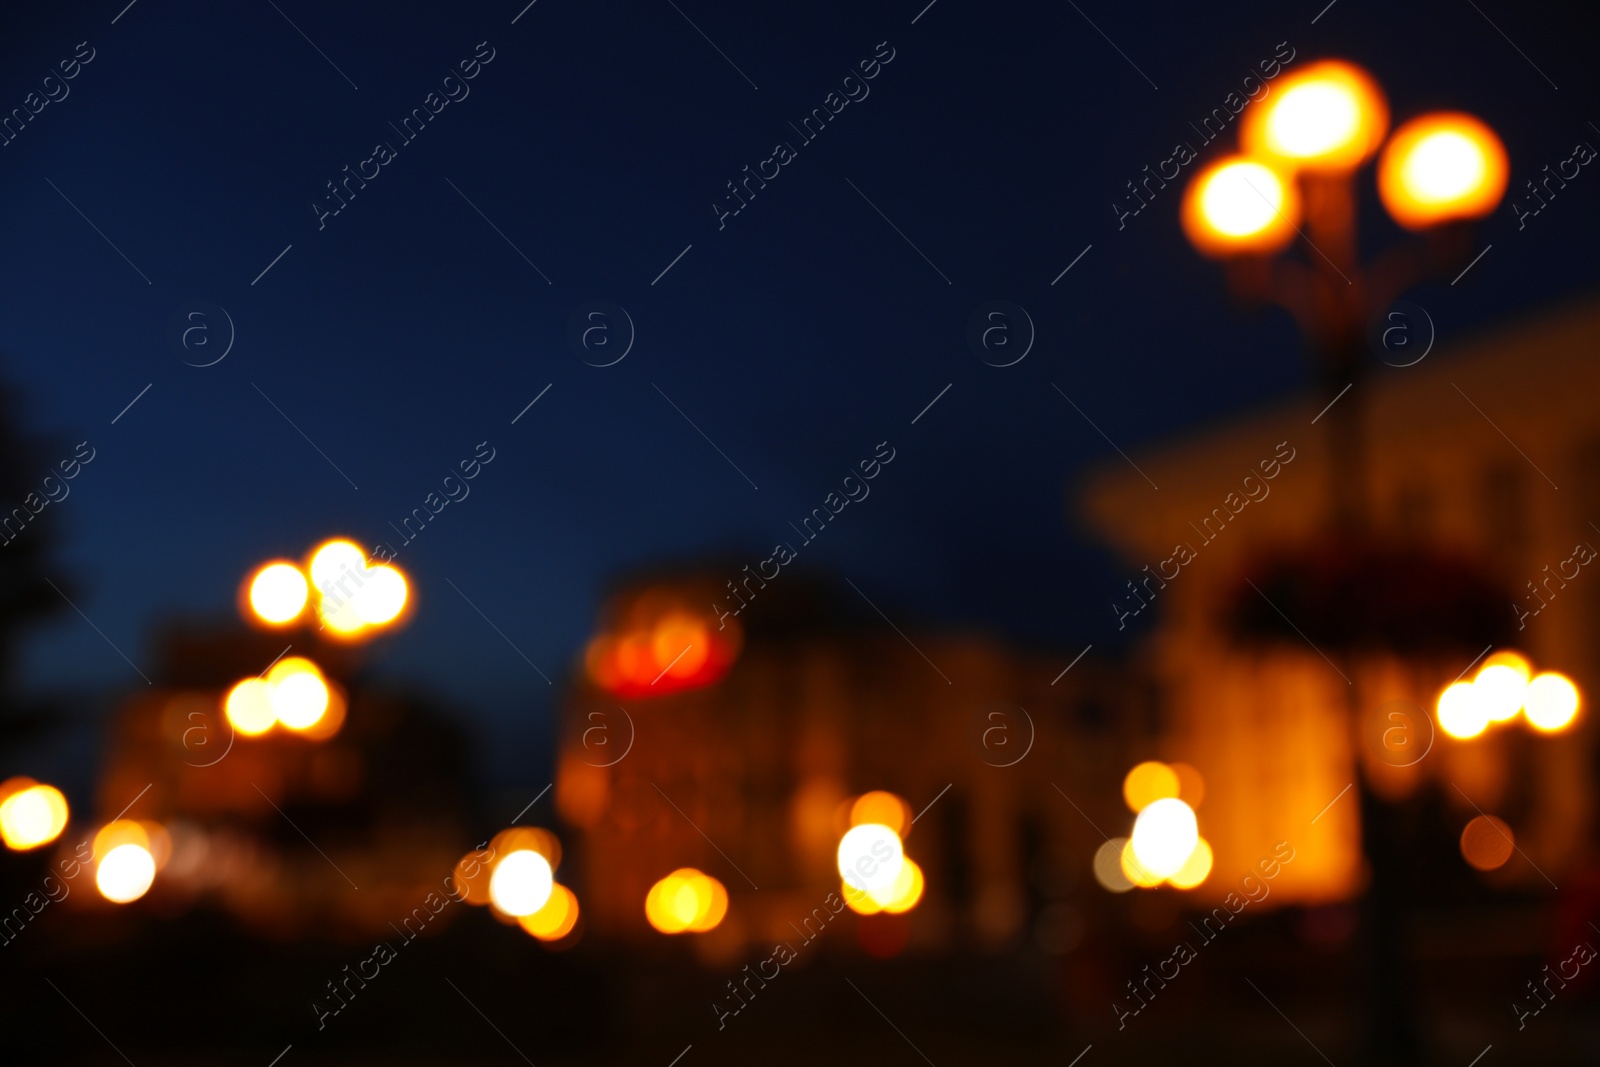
[
  {"x": 277, "y": 593},
  {"x": 31, "y": 814},
  {"x": 1164, "y": 836},
  {"x": 1501, "y": 688},
  {"x": 870, "y": 857},
  {"x": 1329, "y": 116},
  {"x": 125, "y": 873},
  {"x": 521, "y": 883},
  {"x": 1551, "y": 702},
  {"x": 1440, "y": 168},
  {"x": 1462, "y": 711},
  {"x": 1240, "y": 206}
]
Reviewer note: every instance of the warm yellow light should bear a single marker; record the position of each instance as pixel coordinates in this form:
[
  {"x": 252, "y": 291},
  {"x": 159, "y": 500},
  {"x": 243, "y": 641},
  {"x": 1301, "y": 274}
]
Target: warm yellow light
[
  {"x": 121, "y": 832},
  {"x": 1328, "y": 116},
  {"x": 1163, "y": 836},
  {"x": 1108, "y": 866},
  {"x": 1195, "y": 869},
  {"x": 906, "y": 892},
  {"x": 248, "y": 706},
  {"x": 521, "y": 883},
  {"x": 556, "y": 919},
  {"x": 381, "y": 596},
  {"x": 297, "y": 692},
  {"x": 715, "y": 908},
  {"x": 31, "y": 816},
  {"x": 1551, "y": 702},
  {"x": 1147, "y": 783},
  {"x": 278, "y": 593},
  {"x": 883, "y": 808},
  {"x": 870, "y": 856},
  {"x": 1500, "y": 690},
  {"x": 124, "y": 874},
  {"x": 1441, "y": 167},
  {"x": 860, "y": 901},
  {"x": 1462, "y": 712},
  {"x": 1134, "y": 872},
  {"x": 686, "y": 901},
  {"x": 1191, "y": 786},
  {"x": 1239, "y": 205}
]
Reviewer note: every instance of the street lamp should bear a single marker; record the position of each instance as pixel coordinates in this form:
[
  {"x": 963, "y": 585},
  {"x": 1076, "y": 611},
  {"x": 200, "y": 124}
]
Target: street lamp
[
  {"x": 1436, "y": 174},
  {"x": 1300, "y": 153}
]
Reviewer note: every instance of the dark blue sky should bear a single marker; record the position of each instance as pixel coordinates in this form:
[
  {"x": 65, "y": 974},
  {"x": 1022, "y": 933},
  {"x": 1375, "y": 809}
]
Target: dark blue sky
[{"x": 797, "y": 338}]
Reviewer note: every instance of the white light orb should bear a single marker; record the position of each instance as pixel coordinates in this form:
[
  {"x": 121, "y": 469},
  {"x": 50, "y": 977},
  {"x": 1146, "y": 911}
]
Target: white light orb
[{"x": 1164, "y": 835}]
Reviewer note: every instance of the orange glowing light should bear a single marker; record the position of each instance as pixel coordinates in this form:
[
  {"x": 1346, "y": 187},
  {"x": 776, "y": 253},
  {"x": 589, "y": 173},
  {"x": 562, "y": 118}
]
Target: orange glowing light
[
  {"x": 277, "y": 593},
  {"x": 1191, "y": 786},
  {"x": 686, "y": 901},
  {"x": 527, "y": 839},
  {"x": 1442, "y": 167},
  {"x": 883, "y": 808},
  {"x": 471, "y": 876},
  {"x": 1551, "y": 702},
  {"x": 248, "y": 706},
  {"x": 1329, "y": 116},
  {"x": 1240, "y": 205},
  {"x": 1195, "y": 869},
  {"x": 121, "y": 832},
  {"x": 1487, "y": 842},
  {"x": 556, "y": 919},
  {"x": 658, "y": 646},
  {"x": 31, "y": 814},
  {"x": 1147, "y": 783}
]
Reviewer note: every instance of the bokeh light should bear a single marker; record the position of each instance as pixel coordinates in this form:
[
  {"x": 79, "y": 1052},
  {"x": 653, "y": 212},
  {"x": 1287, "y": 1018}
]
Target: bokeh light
[
  {"x": 1240, "y": 205},
  {"x": 278, "y": 593},
  {"x": 1147, "y": 783},
  {"x": 1551, "y": 702},
  {"x": 1462, "y": 712},
  {"x": 1195, "y": 869},
  {"x": 521, "y": 883},
  {"x": 1191, "y": 786},
  {"x": 248, "y": 706},
  {"x": 31, "y": 814},
  {"x": 381, "y": 597},
  {"x": 870, "y": 856},
  {"x": 125, "y": 873},
  {"x": 333, "y": 560},
  {"x": 556, "y": 919},
  {"x": 1108, "y": 866},
  {"x": 1500, "y": 689},
  {"x": 686, "y": 901},
  {"x": 883, "y": 808},
  {"x": 1487, "y": 843},
  {"x": 1442, "y": 167},
  {"x": 297, "y": 692},
  {"x": 1328, "y": 116},
  {"x": 1135, "y": 872},
  {"x": 1163, "y": 836}
]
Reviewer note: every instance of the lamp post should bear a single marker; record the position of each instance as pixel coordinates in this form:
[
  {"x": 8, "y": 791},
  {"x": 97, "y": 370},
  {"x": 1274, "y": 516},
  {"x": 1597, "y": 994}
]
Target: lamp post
[
  {"x": 1301, "y": 151},
  {"x": 1295, "y": 177}
]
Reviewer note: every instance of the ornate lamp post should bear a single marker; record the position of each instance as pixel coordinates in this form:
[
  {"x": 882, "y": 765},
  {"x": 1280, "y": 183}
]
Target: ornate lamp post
[{"x": 1295, "y": 178}]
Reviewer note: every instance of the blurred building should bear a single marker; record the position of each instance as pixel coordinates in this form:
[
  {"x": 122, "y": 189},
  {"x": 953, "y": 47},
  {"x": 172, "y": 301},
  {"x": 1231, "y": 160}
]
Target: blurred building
[
  {"x": 1482, "y": 461},
  {"x": 278, "y": 830},
  {"x": 746, "y": 767}
]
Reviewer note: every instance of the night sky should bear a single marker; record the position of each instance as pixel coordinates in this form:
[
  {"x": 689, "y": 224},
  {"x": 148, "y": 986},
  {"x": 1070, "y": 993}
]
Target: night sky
[{"x": 576, "y": 165}]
